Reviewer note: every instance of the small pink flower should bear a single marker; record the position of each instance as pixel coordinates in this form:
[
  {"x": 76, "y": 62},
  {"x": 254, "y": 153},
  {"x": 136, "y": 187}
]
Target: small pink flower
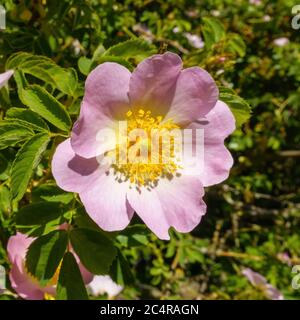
[
  {"x": 255, "y": 2},
  {"x": 26, "y": 286},
  {"x": 104, "y": 285},
  {"x": 284, "y": 257},
  {"x": 194, "y": 40},
  {"x": 281, "y": 42},
  {"x": 4, "y": 77},
  {"x": 157, "y": 94},
  {"x": 259, "y": 281}
]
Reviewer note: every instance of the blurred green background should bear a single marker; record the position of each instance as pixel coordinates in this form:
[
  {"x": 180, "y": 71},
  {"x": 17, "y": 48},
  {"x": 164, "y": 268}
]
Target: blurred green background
[{"x": 253, "y": 218}]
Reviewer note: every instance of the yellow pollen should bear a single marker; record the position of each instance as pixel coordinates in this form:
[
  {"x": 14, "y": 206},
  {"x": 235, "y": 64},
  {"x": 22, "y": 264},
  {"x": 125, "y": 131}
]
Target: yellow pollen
[
  {"x": 147, "y": 173},
  {"x": 52, "y": 282},
  {"x": 48, "y": 296}
]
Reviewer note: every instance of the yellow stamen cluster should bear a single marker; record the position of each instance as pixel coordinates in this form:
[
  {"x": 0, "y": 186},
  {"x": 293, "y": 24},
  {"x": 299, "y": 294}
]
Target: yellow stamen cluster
[{"x": 141, "y": 173}]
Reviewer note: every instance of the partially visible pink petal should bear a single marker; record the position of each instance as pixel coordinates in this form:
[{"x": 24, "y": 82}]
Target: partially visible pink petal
[
  {"x": 26, "y": 286},
  {"x": 195, "y": 96},
  {"x": 105, "y": 100},
  {"x": 4, "y": 77},
  {"x": 72, "y": 172},
  {"x": 92, "y": 135},
  {"x": 87, "y": 277},
  {"x": 103, "y": 197},
  {"x": 221, "y": 123},
  {"x": 255, "y": 278},
  {"x": 21, "y": 282},
  {"x": 273, "y": 293},
  {"x": 153, "y": 82},
  {"x": 105, "y": 202},
  {"x": 217, "y": 125},
  {"x": 17, "y": 246},
  {"x": 172, "y": 203}
]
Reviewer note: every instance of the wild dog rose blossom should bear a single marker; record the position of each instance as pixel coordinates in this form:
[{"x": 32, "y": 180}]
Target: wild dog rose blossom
[
  {"x": 158, "y": 95},
  {"x": 26, "y": 286}
]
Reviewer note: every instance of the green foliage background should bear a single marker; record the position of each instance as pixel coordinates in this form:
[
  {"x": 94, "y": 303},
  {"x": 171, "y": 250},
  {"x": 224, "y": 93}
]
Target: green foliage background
[{"x": 252, "y": 218}]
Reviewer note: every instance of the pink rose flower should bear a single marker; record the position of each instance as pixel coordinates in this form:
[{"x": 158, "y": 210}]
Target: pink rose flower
[
  {"x": 259, "y": 281},
  {"x": 158, "y": 94},
  {"x": 26, "y": 286},
  {"x": 4, "y": 77}
]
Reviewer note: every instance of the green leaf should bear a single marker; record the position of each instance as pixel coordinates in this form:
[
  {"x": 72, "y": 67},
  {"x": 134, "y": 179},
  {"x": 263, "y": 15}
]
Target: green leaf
[
  {"x": 51, "y": 193},
  {"x": 20, "y": 81},
  {"x": 16, "y": 59},
  {"x": 40, "y": 101},
  {"x": 4, "y": 199},
  {"x": 46, "y": 70},
  {"x": 84, "y": 65},
  {"x": 70, "y": 285},
  {"x": 95, "y": 251},
  {"x": 213, "y": 31},
  {"x": 138, "y": 49},
  {"x": 12, "y": 133},
  {"x": 39, "y": 213},
  {"x": 25, "y": 162},
  {"x": 236, "y": 44},
  {"x": 98, "y": 52},
  {"x": 120, "y": 271},
  {"x": 83, "y": 220},
  {"x": 28, "y": 118},
  {"x": 238, "y": 106},
  {"x": 4, "y": 167},
  {"x": 45, "y": 254},
  {"x": 118, "y": 60},
  {"x": 133, "y": 236}
]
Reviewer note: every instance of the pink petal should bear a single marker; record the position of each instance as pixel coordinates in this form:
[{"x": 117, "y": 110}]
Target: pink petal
[
  {"x": 103, "y": 197},
  {"x": 4, "y": 77},
  {"x": 25, "y": 285},
  {"x": 153, "y": 82},
  {"x": 172, "y": 203},
  {"x": 217, "y": 125},
  {"x": 72, "y": 172},
  {"x": 195, "y": 95},
  {"x": 20, "y": 281},
  {"x": 221, "y": 123},
  {"x": 105, "y": 202},
  {"x": 105, "y": 99},
  {"x": 17, "y": 246},
  {"x": 255, "y": 278},
  {"x": 87, "y": 277},
  {"x": 273, "y": 293}
]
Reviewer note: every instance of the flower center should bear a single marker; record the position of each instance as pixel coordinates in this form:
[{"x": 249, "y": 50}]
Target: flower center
[{"x": 146, "y": 149}]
